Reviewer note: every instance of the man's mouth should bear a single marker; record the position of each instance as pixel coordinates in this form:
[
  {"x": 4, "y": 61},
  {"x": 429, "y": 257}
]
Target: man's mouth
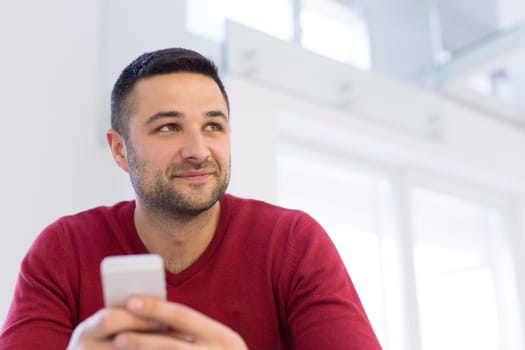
[{"x": 195, "y": 175}]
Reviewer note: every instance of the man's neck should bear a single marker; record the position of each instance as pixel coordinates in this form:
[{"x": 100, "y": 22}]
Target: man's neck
[{"x": 180, "y": 241}]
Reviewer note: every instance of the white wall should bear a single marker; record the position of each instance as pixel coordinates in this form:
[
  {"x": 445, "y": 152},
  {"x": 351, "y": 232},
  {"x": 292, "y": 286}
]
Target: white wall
[
  {"x": 53, "y": 160},
  {"x": 53, "y": 67}
]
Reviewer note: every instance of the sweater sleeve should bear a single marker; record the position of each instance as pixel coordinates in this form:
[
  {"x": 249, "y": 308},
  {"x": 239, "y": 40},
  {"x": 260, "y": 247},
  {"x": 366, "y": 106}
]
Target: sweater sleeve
[
  {"x": 43, "y": 310},
  {"x": 323, "y": 309}
]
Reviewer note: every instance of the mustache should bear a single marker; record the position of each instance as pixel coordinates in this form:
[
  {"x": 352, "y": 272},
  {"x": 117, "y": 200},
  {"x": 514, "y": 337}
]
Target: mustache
[{"x": 189, "y": 165}]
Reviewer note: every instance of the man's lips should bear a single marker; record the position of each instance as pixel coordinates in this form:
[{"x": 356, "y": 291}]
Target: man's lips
[{"x": 195, "y": 175}]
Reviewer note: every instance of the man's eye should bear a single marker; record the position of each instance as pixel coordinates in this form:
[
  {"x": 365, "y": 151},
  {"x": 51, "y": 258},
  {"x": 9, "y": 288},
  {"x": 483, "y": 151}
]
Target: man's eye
[
  {"x": 169, "y": 127},
  {"x": 214, "y": 127}
]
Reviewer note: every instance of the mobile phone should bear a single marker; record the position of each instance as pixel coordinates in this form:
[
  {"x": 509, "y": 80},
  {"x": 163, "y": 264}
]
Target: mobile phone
[{"x": 124, "y": 275}]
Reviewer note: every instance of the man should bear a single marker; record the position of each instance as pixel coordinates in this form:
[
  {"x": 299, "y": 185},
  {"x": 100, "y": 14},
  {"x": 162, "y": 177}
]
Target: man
[{"x": 240, "y": 273}]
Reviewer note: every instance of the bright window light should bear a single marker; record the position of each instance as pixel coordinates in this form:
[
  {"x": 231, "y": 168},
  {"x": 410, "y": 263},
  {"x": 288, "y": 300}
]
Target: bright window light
[
  {"x": 207, "y": 17},
  {"x": 327, "y": 28},
  {"x": 455, "y": 279},
  {"x": 335, "y": 31},
  {"x": 463, "y": 274},
  {"x": 354, "y": 206}
]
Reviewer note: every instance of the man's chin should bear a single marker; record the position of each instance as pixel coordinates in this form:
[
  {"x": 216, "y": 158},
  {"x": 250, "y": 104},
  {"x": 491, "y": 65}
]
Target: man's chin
[{"x": 193, "y": 209}]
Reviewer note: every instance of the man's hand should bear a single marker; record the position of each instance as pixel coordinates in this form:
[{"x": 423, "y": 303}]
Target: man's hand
[
  {"x": 98, "y": 331},
  {"x": 140, "y": 326},
  {"x": 194, "y": 330}
]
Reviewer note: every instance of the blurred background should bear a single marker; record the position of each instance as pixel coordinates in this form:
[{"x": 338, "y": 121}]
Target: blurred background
[{"x": 398, "y": 124}]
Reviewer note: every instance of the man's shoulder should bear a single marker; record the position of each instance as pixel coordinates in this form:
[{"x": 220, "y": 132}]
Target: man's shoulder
[
  {"x": 95, "y": 218},
  {"x": 86, "y": 233},
  {"x": 257, "y": 211},
  {"x": 117, "y": 209}
]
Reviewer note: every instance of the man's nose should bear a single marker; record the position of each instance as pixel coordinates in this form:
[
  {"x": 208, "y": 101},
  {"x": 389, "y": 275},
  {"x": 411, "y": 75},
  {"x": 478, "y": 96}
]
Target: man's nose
[{"x": 195, "y": 146}]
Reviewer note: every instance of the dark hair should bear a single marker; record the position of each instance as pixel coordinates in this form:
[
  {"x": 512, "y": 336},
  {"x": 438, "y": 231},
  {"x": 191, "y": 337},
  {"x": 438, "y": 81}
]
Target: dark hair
[{"x": 164, "y": 61}]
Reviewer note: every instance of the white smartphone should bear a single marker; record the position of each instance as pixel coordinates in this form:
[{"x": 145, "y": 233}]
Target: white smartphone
[{"x": 123, "y": 275}]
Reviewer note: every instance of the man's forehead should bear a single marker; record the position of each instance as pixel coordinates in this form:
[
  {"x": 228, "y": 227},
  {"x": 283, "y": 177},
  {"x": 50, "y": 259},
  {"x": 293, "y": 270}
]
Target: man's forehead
[
  {"x": 171, "y": 91},
  {"x": 179, "y": 82}
]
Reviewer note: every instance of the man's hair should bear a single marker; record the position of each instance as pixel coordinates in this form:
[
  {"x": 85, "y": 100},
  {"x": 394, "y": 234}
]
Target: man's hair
[{"x": 171, "y": 60}]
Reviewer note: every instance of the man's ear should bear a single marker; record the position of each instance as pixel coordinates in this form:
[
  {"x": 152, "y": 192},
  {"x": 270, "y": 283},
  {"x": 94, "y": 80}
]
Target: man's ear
[{"x": 118, "y": 148}]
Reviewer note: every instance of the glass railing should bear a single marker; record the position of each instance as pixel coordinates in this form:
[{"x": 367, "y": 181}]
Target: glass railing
[
  {"x": 295, "y": 70},
  {"x": 488, "y": 73}
]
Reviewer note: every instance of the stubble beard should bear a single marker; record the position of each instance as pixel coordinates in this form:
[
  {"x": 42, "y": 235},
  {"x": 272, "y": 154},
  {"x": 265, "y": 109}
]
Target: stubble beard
[{"x": 158, "y": 192}]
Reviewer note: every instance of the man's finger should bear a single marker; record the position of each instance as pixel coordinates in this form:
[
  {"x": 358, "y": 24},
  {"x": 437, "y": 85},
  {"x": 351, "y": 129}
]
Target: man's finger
[
  {"x": 107, "y": 322},
  {"x": 179, "y": 317},
  {"x": 136, "y": 341}
]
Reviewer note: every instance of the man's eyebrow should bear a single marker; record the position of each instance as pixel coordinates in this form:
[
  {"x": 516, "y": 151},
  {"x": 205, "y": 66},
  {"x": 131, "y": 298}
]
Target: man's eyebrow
[
  {"x": 165, "y": 114},
  {"x": 177, "y": 114},
  {"x": 216, "y": 113}
]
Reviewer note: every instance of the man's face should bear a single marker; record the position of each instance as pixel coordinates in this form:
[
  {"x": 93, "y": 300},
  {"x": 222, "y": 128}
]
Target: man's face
[{"x": 178, "y": 147}]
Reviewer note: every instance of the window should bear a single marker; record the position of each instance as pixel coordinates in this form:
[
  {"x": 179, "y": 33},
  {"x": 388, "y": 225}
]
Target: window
[
  {"x": 460, "y": 285},
  {"x": 457, "y": 274},
  {"x": 274, "y": 17},
  {"x": 329, "y": 28},
  {"x": 353, "y": 204},
  {"x": 336, "y": 31}
]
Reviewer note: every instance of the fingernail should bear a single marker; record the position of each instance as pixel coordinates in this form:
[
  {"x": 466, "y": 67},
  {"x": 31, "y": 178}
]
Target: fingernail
[
  {"x": 121, "y": 341},
  {"x": 135, "y": 304}
]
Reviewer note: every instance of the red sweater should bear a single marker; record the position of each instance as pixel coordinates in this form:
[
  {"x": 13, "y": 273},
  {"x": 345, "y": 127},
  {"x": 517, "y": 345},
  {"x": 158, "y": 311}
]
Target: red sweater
[{"x": 269, "y": 273}]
